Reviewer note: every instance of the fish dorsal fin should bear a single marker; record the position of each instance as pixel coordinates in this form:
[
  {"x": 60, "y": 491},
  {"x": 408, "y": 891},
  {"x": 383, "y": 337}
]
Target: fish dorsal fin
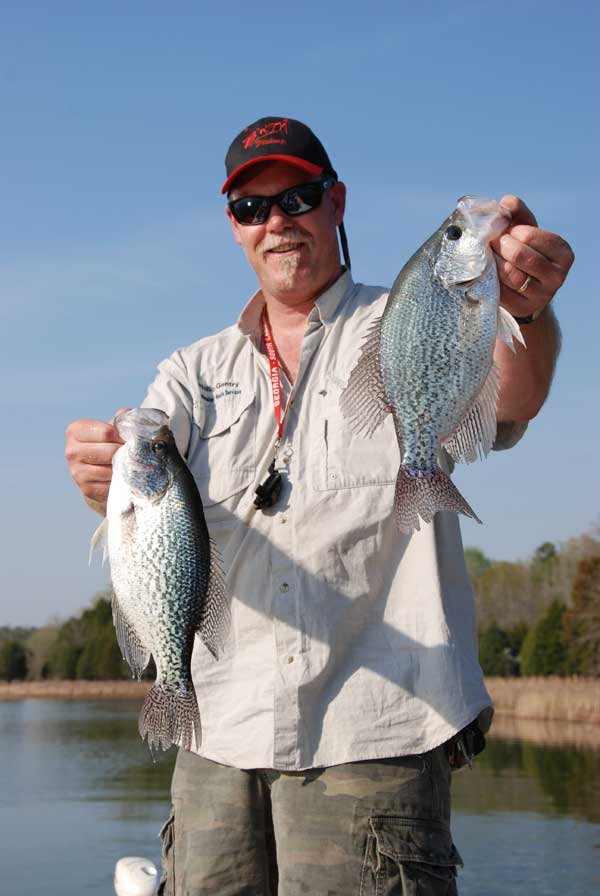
[
  {"x": 134, "y": 653},
  {"x": 508, "y": 329},
  {"x": 100, "y": 540},
  {"x": 215, "y": 619},
  {"x": 363, "y": 400},
  {"x": 476, "y": 432}
]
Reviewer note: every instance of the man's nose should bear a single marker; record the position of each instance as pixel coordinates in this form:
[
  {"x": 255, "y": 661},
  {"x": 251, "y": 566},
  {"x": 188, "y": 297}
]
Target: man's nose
[{"x": 278, "y": 219}]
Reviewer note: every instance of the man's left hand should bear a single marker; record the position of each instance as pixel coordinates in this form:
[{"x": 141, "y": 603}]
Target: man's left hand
[{"x": 526, "y": 251}]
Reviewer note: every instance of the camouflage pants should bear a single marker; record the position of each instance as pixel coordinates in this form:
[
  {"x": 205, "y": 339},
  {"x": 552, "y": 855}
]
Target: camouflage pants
[{"x": 376, "y": 828}]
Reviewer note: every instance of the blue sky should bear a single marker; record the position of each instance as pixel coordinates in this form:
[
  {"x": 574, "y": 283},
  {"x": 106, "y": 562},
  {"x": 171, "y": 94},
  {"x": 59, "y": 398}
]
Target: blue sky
[{"x": 114, "y": 248}]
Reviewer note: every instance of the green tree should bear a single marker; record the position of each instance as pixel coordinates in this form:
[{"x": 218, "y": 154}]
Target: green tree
[
  {"x": 38, "y": 646},
  {"x": 544, "y": 650},
  {"x": 516, "y": 635},
  {"x": 477, "y": 562},
  {"x": 495, "y": 654},
  {"x": 101, "y": 657},
  {"x": 502, "y": 594},
  {"x": 581, "y": 624},
  {"x": 66, "y": 649},
  {"x": 13, "y": 661},
  {"x": 86, "y": 646}
]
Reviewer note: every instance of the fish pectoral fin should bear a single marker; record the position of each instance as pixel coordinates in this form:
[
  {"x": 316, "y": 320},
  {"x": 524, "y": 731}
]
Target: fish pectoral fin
[
  {"x": 215, "y": 618},
  {"x": 475, "y": 434},
  {"x": 134, "y": 652},
  {"x": 508, "y": 329},
  {"x": 100, "y": 540},
  {"x": 363, "y": 401}
]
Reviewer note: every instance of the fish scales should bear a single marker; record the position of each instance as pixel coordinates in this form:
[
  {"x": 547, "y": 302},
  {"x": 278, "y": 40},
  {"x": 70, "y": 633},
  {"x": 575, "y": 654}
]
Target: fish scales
[
  {"x": 429, "y": 360},
  {"x": 166, "y": 575}
]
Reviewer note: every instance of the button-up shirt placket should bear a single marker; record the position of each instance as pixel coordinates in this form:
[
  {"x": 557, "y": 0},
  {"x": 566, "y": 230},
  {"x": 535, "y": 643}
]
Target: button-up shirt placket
[{"x": 287, "y": 620}]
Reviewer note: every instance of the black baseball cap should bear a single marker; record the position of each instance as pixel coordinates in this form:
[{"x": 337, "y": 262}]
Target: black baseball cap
[{"x": 279, "y": 139}]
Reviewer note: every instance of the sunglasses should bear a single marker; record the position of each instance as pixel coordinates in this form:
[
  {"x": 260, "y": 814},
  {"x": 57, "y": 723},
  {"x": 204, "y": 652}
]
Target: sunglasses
[{"x": 294, "y": 201}]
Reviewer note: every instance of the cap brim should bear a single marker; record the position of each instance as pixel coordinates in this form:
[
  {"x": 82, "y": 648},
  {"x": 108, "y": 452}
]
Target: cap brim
[{"x": 290, "y": 160}]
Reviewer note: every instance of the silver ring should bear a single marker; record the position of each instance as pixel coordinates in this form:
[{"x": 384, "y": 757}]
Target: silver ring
[{"x": 522, "y": 288}]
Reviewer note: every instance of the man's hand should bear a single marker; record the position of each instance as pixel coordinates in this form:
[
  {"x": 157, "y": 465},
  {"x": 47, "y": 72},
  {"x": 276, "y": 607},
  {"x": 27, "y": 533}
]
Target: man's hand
[
  {"x": 90, "y": 447},
  {"x": 525, "y": 250}
]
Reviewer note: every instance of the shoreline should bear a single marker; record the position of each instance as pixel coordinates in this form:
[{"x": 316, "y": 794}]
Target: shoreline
[
  {"x": 574, "y": 700},
  {"x": 55, "y": 689}
]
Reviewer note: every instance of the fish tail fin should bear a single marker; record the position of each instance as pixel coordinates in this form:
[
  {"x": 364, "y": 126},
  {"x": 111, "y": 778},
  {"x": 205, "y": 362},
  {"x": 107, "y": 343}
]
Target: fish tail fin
[
  {"x": 170, "y": 715},
  {"x": 421, "y": 493}
]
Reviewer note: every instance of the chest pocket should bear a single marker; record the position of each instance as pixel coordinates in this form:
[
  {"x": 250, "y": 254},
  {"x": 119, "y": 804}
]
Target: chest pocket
[
  {"x": 222, "y": 454},
  {"x": 349, "y": 460}
]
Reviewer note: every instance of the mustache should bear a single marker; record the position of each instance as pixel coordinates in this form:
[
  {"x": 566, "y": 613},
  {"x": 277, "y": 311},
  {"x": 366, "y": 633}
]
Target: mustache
[{"x": 275, "y": 240}]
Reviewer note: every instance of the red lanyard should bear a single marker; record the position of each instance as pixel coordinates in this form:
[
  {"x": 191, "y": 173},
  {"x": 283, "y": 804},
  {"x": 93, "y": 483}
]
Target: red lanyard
[{"x": 275, "y": 374}]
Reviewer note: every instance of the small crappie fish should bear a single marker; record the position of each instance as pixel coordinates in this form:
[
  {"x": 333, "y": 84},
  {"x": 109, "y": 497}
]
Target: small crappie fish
[
  {"x": 165, "y": 572},
  {"x": 429, "y": 360}
]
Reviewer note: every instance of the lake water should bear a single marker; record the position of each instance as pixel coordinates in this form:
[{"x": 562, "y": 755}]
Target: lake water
[{"x": 78, "y": 790}]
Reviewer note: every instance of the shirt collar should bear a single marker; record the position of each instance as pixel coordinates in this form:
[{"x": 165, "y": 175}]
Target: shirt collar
[{"x": 325, "y": 308}]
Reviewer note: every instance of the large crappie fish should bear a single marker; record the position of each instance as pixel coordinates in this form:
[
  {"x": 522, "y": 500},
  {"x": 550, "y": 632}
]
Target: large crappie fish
[
  {"x": 429, "y": 360},
  {"x": 165, "y": 572}
]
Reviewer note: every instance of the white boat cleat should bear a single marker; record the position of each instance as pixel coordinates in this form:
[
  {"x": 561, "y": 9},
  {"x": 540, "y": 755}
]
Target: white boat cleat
[{"x": 135, "y": 876}]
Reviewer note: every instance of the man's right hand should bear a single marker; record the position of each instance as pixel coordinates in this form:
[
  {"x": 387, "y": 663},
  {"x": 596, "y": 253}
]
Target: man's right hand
[{"x": 90, "y": 447}]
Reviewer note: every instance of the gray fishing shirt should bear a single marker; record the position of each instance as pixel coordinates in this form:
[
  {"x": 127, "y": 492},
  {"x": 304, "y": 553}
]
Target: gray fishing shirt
[{"x": 349, "y": 641}]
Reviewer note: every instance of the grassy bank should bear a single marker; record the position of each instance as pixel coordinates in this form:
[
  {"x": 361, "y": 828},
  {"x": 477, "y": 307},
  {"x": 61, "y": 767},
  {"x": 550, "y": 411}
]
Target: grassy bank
[
  {"x": 73, "y": 690},
  {"x": 543, "y": 699}
]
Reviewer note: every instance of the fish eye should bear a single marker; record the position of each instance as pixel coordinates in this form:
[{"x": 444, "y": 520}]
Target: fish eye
[
  {"x": 159, "y": 446},
  {"x": 453, "y": 232}
]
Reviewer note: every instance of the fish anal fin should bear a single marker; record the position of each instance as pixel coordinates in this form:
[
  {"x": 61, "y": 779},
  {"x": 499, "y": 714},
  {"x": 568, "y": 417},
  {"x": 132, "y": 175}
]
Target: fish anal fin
[
  {"x": 215, "y": 618},
  {"x": 134, "y": 652},
  {"x": 474, "y": 436},
  {"x": 363, "y": 402}
]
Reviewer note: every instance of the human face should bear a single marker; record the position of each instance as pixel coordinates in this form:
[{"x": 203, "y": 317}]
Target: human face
[{"x": 294, "y": 258}]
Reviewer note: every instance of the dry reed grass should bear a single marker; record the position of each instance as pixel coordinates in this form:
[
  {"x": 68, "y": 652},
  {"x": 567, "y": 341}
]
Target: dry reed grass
[
  {"x": 73, "y": 690},
  {"x": 564, "y": 699}
]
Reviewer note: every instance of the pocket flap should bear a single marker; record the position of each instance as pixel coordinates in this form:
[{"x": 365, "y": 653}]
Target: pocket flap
[
  {"x": 224, "y": 410},
  {"x": 414, "y": 840}
]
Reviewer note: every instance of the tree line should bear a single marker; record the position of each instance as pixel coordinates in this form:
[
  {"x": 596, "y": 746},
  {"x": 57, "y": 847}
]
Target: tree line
[
  {"x": 539, "y": 617},
  {"x": 85, "y": 646}
]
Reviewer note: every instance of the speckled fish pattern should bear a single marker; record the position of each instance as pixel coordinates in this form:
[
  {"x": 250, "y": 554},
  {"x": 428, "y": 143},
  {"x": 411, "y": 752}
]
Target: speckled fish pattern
[
  {"x": 166, "y": 576},
  {"x": 429, "y": 361}
]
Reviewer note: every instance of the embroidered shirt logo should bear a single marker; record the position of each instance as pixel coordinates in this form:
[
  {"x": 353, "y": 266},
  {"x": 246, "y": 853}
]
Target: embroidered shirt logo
[{"x": 220, "y": 390}]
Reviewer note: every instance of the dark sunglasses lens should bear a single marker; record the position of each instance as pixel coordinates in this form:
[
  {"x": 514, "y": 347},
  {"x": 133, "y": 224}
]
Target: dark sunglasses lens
[
  {"x": 302, "y": 199},
  {"x": 250, "y": 210}
]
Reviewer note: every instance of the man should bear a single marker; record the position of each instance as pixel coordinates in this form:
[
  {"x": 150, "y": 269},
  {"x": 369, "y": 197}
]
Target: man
[{"x": 351, "y": 681}]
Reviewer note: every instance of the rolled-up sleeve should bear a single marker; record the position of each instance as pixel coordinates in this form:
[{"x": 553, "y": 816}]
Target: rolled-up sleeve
[
  {"x": 508, "y": 433},
  {"x": 170, "y": 393}
]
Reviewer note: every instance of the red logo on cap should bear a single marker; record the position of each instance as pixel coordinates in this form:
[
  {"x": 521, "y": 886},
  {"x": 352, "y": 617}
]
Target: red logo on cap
[{"x": 269, "y": 133}]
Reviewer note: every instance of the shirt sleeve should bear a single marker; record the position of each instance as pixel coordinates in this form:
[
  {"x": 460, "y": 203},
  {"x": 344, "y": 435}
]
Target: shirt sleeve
[
  {"x": 508, "y": 433},
  {"x": 170, "y": 393}
]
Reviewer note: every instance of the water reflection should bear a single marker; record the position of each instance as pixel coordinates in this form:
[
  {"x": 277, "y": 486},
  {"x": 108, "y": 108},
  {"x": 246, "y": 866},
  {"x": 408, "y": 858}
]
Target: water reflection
[
  {"x": 77, "y": 781},
  {"x": 528, "y": 777}
]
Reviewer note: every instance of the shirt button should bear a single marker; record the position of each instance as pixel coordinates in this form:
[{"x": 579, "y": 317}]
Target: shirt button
[
  {"x": 290, "y": 659},
  {"x": 283, "y": 519},
  {"x": 284, "y": 587}
]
